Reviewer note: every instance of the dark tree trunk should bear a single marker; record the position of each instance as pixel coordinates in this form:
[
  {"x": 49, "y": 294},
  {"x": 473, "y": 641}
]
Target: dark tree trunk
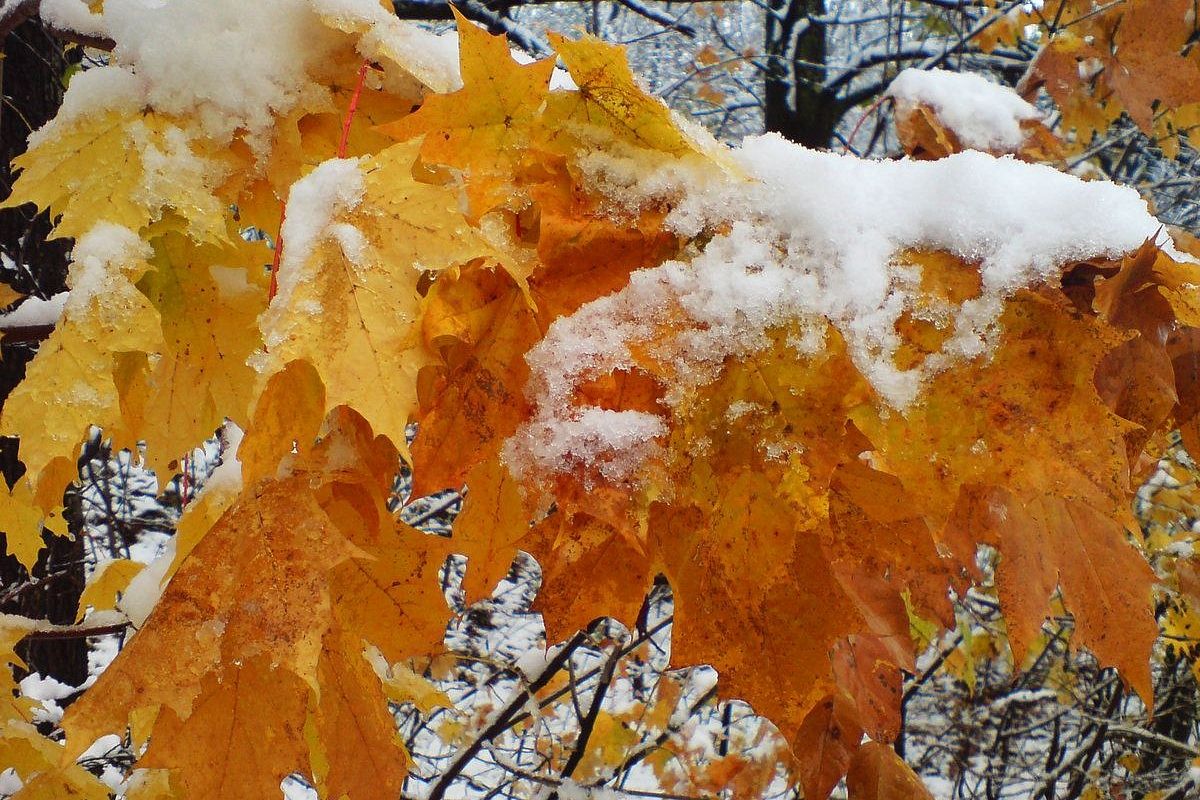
[
  {"x": 33, "y": 68},
  {"x": 796, "y": 104}
]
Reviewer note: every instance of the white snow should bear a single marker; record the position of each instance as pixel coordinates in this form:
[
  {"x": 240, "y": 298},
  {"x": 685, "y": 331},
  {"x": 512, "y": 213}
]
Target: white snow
[
  {"x": 808, "y": 238},
  {"x": 10, "y": 782},
  {"x": 226, "y": 478},
  {"x": 92, "y": 92},
  {"x": 167, "y": 168},
  {"x": 431, "y": 58},
  {"x": 294, "y": 788},
  {"x": 105, "y": 744},
  {"x": 533, "y": 663},
  {"x": 72, "y": 15},
  {"x": 113, "y": 777},
  {"x": 34, "y": 311},
  {"x": 236, "y": 66},
  {"x": 333, "y": 188},
  {"x": 141, "y": 596},
  {"x": 234, "y": 63},
  {"x": 984, "y": 115},
  {"x": 99, "y": 253},
  {"x": 36, "y": 686}
]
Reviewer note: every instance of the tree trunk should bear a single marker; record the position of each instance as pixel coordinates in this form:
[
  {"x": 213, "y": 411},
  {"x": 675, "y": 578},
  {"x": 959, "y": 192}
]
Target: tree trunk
[{"x": 795, "y": 104}]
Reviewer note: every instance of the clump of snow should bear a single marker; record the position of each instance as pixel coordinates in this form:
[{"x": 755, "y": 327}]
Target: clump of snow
[
  {"x": 236, "y": 64},
  {"x": 295, "y": 788},
  {"x": 432, "y": 58},
  {"x": 170, "y": 168},
  {"x": 807, "y": 239},
  {"x": 10, "y": 782},
  {"x": 335, "y": 187},
  {"x": 72, "y": 15},
  {"x": 101, "y": 747},
  {"x": 47, "y": 692},
  {"x": 39, "y": 687},
  {"x": 99, "y": 256},
  {"x": 34, "y": 311},
  {"x": 91, "y": 92},
  {"x": 984, "y": 115},
  {"x": 142, "y": 594},
  {"x": 570, "y": 790},
  {"x": 533, "y": 663},
  {"x": 227, "y": 476}
]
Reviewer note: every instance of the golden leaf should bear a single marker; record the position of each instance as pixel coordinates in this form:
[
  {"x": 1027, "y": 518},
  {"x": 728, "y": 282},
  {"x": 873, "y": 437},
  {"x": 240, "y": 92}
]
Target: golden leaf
[
  {"x": 484, "y": 128},
  {"x": 95, "y": 170},
  {"x": 610, "y": 99},
  {"x": 877, "y": 773},
  {"x": 110, "y": 579},
  {"x": 353, "y": 309},
  {"x": 352, "y": 729}
]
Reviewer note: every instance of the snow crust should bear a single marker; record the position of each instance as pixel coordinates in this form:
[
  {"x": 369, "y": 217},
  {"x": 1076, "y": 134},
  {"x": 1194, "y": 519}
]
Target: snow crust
[
  {"x": 92, "y": 92},
  {"x": 335, "y": 187},
  {"x": 808, "y": 238},
  {"x": 10, "y": 782},
  {"x": 226, "y": 478},
  {"x": 431, "y": 57},
  {"x": 984, "y": 115},
  {"x": 97, "y": 258},
  {"x": 72, "y": 15},
  {"x": 235, "y": 65},
  {"x": 39, "y": 687},
  {"x": 142, "y": 594},
  {"x": 34, "y": 311}
]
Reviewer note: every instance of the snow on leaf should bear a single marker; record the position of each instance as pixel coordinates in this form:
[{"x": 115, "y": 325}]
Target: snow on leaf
[
  {"x": 121, "y": 168},
  {"x": 75, "y": 370},
  {"x": 348, "y": 301},
  {"x": 110, "y": 579}
]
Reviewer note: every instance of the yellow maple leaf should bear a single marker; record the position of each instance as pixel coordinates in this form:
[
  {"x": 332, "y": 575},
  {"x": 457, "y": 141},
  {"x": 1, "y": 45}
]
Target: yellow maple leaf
[
  {"x": 405, "y": 685},
  {"x": 8, "y": 295},
  {"x": 110, "y": 579},
  {"x": 74, "y": 370},
  {"x": 207, "y": 298},
  {"x": 37, "y": 761},
  {"x": 121, "y": 168},
  {"x": 287, "y": 416},
  {"x": 350, "y": 305},
  {"x": 265, "y": 602},
  {"x": 23, "y": 520},
  {"x": 610, "y": 98},
  {"x": 359, "y": 753},
  {"x": 241, "y": 738},
  {"x": 877, "y": 773},
  {"x": 491, "y": 526},
  {"x": 485, "y": 128}
]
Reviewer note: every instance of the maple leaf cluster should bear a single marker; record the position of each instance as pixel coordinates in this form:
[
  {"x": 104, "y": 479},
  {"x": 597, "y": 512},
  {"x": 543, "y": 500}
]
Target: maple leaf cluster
[
  {"x": 1105, "y": 59},
  {"x": 808, "y": 491}
]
